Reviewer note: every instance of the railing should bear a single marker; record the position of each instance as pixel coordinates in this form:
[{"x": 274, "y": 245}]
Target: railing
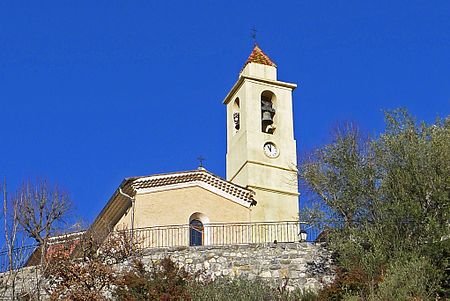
[
  {"x": 216, "y": 234},
  {"x": 15, "y": 259}
]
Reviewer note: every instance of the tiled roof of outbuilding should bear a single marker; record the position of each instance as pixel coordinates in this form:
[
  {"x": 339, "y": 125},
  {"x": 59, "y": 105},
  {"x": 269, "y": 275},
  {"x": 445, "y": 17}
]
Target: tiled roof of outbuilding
[{"x": 258, "y": 56}]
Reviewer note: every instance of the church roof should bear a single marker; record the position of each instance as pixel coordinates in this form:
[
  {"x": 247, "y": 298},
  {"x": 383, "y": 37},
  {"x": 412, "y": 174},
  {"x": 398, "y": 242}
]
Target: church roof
[
  {"x": 258, "y": 56},
  {"x": 199, "y": 175}
]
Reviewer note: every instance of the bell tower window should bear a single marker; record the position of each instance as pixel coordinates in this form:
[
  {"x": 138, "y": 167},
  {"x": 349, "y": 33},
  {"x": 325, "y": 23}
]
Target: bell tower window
[{"x": 267, "y": 112}]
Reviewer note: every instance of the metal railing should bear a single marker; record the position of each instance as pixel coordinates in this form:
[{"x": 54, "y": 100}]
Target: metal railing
[
  {"x": 217, "y": 234},
  {"x": 213, "y": 234},
  {"x": 15, "y": 259}
]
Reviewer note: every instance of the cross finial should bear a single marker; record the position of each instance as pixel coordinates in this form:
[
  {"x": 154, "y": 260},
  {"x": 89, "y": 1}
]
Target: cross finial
[
  {"x": 200, "y": 160},
  {"x": 253, "y": 34}
]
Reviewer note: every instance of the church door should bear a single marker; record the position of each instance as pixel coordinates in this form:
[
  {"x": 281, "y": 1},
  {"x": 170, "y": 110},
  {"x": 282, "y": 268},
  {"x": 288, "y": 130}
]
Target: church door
[{"x": 196, "y": 233}]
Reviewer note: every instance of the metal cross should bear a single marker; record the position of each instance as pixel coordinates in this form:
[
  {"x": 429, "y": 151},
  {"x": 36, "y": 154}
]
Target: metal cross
[
  {"x": 201, "y": 159},
  {"x": 253, "y": 34}
]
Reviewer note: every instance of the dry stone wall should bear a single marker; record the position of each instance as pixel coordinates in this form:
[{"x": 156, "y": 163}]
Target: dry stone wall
[{"x": 304, "y": 265}]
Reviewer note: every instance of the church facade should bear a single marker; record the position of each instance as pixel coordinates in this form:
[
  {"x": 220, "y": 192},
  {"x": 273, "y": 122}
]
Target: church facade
[{"x": 258, "y": 200}]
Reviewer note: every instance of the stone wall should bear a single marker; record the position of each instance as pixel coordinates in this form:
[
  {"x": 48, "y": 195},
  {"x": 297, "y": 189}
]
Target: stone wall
[
  {"x": 304, "y": 265},
  {"x": 24, "y": 282}
]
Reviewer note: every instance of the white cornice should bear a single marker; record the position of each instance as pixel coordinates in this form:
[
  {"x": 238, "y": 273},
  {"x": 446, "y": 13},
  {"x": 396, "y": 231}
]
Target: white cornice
[
  {"x": 242, "y": 78},
  {"x": 163, "y": 176}
]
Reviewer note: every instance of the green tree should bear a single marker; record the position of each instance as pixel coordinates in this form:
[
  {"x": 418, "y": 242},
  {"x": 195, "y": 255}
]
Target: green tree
[{"x": 385, "y": 200}]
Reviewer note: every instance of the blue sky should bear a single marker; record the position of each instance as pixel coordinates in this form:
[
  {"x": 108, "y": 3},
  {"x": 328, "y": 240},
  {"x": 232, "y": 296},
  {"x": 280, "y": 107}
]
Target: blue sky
[{"x": 95, "y": 91}]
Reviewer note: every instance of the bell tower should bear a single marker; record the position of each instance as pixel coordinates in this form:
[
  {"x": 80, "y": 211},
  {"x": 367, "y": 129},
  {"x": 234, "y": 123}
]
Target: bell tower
[{"x": 261, "y": 149}]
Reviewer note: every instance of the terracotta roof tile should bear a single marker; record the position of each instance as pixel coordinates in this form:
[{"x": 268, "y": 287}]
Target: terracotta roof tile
[
  {"x": 258, "y": 56},
  {"x": 242, "y": 193}
]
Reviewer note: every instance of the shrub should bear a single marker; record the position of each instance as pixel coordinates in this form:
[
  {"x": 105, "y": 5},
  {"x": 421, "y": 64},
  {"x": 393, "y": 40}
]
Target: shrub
[
  {"x": 409, "y": 279},
  {"x": 165, "y": 281},
  {"x": 224, "y": 289},
  {"x": 346, "y": 283},
  {"x": 242, "y": 288}
]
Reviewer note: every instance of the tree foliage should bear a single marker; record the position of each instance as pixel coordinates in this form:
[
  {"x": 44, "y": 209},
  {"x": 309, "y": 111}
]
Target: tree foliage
[{"x": 385, "y": 200}]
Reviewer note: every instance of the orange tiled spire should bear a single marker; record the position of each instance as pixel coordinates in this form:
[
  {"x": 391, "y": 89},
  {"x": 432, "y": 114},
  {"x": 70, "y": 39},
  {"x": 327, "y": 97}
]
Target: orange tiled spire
[{"x": 258, "y": 56}]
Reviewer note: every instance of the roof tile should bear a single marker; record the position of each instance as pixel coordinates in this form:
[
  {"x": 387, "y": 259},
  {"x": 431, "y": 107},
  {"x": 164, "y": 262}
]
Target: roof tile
[
  {"x": 191, "y": 176},
  {"x": 258, "y": 56}
]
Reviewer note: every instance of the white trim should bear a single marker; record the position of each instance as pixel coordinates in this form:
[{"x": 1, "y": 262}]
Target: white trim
[
  {"x": 274, "y": 190},
  {"x": 65, "y": 237},
  {"x": 163, "y": 176},
  {"x": 156, "y": 177},
  {"x": 193, "y": 184},
  {"x": 243, "y": 77},
  {"x": 262, "y": 164}
]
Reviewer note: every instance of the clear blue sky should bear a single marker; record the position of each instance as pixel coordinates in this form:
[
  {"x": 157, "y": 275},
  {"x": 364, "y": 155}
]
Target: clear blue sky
[{"x": 95, "y": 91}]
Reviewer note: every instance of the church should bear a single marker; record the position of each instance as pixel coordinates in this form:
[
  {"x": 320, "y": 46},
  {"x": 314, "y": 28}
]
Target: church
[{"x": 258, "y": 200}]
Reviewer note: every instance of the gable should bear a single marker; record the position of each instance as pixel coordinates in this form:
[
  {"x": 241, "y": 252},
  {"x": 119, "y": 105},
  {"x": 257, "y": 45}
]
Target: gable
[
  {"x": 199, "y": 177},
  {"x": 176, "y": 205},
  {"x": 225, "y": 196},
  {"x": 219, "y": 193}
]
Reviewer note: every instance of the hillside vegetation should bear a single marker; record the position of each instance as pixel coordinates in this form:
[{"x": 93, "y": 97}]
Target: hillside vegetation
[{"x": 385, "y": 204}]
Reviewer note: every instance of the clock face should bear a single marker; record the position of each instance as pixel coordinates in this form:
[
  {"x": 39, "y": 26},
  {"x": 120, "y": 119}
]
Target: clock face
[{"x": 271, "y": 150}]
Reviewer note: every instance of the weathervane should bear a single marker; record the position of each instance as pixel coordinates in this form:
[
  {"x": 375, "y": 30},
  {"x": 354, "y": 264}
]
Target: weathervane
[
  {"x": 200, "y": 160},
  {"x": 253, "y": 34}
]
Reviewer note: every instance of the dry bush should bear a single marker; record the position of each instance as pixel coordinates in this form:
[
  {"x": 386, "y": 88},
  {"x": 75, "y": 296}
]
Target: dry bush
[
  {"x": 88, "y": 272},
  {"x": 163, "y": 281}
]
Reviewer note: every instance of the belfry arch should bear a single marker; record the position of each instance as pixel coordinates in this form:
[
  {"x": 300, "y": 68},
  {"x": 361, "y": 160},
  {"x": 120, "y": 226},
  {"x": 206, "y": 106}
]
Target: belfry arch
[{"x": 268, "y": 100}]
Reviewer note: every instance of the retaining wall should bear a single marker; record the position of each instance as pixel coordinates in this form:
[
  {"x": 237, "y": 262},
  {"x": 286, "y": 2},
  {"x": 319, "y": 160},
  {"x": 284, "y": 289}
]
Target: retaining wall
[{"x": 304, "y": 265}]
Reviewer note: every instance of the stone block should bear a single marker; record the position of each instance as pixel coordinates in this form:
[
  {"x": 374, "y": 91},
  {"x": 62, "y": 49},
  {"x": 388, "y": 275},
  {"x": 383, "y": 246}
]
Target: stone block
[
  {"x": 284, "y": 273},
  {"x": 274, "y": 267},
  {"x": 265, "y": 274},
  {"x": 221, "y": 259},
  {"x": 275, "y": 261},
  {"x": 245, "y": 268},
  {"x": 285, "y": 261}
]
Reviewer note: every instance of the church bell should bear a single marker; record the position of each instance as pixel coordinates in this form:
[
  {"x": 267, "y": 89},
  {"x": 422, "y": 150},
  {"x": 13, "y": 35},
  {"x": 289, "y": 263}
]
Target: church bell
[{"x": 267, "y": 118}]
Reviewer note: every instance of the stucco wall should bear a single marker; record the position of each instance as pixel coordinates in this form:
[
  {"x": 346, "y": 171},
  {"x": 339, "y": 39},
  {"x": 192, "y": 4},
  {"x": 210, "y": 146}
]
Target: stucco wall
[{"x": 174, "y": 207}]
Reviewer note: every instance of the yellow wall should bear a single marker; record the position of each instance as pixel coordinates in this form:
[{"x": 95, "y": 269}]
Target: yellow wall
[
  {"x": 174, "y": 207},
  {"x": 274, "y": 206}
]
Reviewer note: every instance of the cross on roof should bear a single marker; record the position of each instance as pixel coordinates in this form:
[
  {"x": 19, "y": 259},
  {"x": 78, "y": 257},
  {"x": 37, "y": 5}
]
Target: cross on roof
[
  {"x": 253, "y": 34},
  {"x": 200, "y": 160}
]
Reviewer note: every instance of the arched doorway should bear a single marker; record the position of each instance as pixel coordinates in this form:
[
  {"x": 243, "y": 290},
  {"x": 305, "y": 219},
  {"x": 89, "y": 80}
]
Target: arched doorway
[
  {"x": 198, "y": 229},
  {"x": 196, "y": 233}
]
